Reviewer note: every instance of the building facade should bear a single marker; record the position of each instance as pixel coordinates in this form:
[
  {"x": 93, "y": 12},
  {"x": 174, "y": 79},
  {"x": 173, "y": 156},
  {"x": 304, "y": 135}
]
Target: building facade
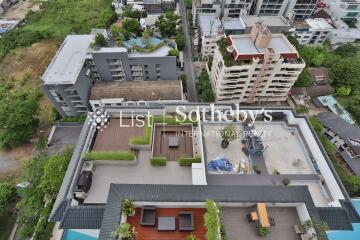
[
  {"x": 346, "y": 10},
  {"x": 256, "y": 67},
  {"x": 312, "y": 31},
  {"x": 211, "y": 31},
  {"x": 77, "y": 66}
]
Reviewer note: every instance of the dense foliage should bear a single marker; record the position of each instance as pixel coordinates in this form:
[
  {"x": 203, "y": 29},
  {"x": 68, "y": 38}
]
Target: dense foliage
[
  {"x": 133, "y": 13},
  {"x": 132, "y": 26},
  {"x": 56, "y": 19},
  {"x": 351, "y": 182},
  {"x": 158, "y": 161},
  {"x": 7, "y": 193},
  {"x": 212, "y": 220},
  {"x": 304, "y": 79},
  {"x": 18, "y": 115},
  {"x": 167, "y": 24},
  {"x": 45, "y": 176},
  {"x": 204, "y": 88},
  {"x": 180, "y": 39}
]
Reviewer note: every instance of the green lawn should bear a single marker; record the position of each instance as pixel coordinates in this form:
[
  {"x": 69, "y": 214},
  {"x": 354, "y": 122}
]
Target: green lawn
[{"x": 7, "y": 221}]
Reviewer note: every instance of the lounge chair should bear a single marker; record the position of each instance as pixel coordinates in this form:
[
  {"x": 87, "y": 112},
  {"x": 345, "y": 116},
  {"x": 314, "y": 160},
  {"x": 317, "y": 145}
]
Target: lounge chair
[{"x": 148, "y": 216}]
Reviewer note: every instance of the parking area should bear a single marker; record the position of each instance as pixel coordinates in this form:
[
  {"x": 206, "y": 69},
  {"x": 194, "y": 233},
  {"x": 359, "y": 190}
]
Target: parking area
[{"x": 64, "y": 135}]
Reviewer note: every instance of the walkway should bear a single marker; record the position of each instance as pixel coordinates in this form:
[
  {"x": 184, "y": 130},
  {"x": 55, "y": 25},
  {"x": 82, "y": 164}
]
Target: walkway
[{"x": 188, "y": 67}]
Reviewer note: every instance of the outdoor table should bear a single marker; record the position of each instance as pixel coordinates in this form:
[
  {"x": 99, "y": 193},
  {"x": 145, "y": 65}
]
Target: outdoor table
[{"x": 263, "y": 216}]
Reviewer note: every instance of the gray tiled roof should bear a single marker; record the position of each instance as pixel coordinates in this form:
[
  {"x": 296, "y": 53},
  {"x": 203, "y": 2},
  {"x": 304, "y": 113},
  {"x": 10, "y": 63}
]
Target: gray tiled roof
[
  {"x": 353, "y": 214},
  {"x": 198, "y": 193},
  {"x": 339, "y": 125},
  {"x": 337, "y": 218},
  {"x": 353, "y": 163},
  {"x": 83, "y": 217}
]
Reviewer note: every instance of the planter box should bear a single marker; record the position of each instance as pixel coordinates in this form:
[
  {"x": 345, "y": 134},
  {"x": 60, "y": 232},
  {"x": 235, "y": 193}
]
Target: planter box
[
  {"x": 115, "y": 162},
  {"x": 140, "y": 147}
]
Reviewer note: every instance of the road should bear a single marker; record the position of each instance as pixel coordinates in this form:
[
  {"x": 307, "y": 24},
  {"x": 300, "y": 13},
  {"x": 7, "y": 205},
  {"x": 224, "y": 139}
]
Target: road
[{"x": 188, "y": 67}]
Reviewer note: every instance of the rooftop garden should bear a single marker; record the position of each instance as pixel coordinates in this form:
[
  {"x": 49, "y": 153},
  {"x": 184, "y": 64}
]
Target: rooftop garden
[
  {"x": 121, "y": 155},
  {"x": 227, "y": 57},
  {"x": 146, "y": 139},
  {"x": 146, "y": 43}
]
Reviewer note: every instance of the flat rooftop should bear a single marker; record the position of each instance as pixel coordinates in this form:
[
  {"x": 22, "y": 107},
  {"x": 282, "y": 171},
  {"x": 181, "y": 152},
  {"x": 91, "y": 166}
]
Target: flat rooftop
[
  {"x": 319, "y": 24},
  {"x": 245, "y": 45},
  {"x": 138, "y": 90},
  {"x": 233, "y": 23},
  {"x": 210, "y": 26},
  {"x": 69, "y": 60},
  {"x": 160, "y": 52},
  {"x": 267, "y": 20}
]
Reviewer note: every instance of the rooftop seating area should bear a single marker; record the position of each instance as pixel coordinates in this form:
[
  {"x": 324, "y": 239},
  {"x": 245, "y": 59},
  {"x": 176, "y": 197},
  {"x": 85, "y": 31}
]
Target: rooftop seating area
[{"x": 168, "y": 223}]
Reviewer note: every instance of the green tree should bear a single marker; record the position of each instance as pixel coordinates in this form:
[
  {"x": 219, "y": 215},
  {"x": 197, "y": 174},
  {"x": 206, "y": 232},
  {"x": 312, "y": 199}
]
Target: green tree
[
  {"x": 100, "y": 40},
  {"x": 188, "y": 4},
  {"x": 7, "y": 194},
  {"x": 212, "y": 220},
  {"x": 132, "y": 26},
  {"x": 183, "y": 78},
  {"x": 346, "y": 73},
  {"x": 180, "y": 39},
  {"x": 343, "y": 90},
  {"x": 18, "y": 116},
  {"x": 132, "y": 13},
  {"x": 167, "y": 24},
  {"x": 346, "y": 50},
  {"x": 204, "y": 88},
  {"x": 304, "y": 79}
]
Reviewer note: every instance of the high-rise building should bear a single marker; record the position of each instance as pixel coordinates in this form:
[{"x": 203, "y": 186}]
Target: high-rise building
[{"x": 254, "y": 67}]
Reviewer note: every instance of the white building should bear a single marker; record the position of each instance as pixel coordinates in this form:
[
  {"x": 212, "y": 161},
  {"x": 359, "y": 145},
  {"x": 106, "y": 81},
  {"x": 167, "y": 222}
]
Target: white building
[
  {"x": 341, "y": 36},
  {"x": 211, "y": 31},
  {"x": 312, "y": 31},
  {"x": 345, "y": 10},
  {"x": 256, "y": 67}
]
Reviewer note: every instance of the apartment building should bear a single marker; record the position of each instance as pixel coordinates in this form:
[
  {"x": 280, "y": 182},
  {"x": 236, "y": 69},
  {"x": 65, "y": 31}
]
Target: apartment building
[
  {"x": 255, "y": 67},
  {"x": 211, "y": 31},
  {"x": 269, "y": 7},
  {"x": 76, "y": 67},
  {"x": 312, "y": 31},
  {"x": 346, "y": 10},
  {"x": 228, "y": 8},
  {"x": 300, "y": 9}
]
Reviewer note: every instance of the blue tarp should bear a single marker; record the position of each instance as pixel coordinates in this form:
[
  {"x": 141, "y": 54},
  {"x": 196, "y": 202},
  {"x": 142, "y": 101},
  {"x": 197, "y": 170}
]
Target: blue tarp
[{"x": 220, "y": 164}]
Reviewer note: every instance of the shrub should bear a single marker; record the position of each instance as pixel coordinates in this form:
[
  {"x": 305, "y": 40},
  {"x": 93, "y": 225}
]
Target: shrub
[
  {"x": 158, "y": 161},
  {"x": 94, "y": 155},
  {"x": 212, "y": 220},
  {"x": 192, "y": 237},
  {"x": 264, "y": 231},
  {"x": 257, "y": 169},
  {"x": 343, "y": 90},
  {"x": 7, "y": 193},
  {"x": 276, "y": 172},
  {"x": 128, "y": 207},
  {"x": 185, "y": 161},
  {"x": 286, "y": 181}
]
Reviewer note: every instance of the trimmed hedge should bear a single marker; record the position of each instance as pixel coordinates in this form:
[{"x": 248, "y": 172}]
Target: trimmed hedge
[
  {"x": 93, "y": 155},
  {"x": 171, "y": 120},
  {"x": 158, "y": 161},
  {"x": 186, "y": 161},
  {"x": 146, "y": 139}
]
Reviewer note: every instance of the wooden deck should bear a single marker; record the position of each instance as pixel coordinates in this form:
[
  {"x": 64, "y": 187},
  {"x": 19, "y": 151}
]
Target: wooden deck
[
  {"x": 161, "y": 148},
  {"x": 115, "y": 137},
  {"x": 151, "y": 233}
]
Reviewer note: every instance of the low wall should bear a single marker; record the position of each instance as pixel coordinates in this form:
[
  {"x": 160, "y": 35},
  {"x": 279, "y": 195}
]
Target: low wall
[{"x": 115, "y": 162}]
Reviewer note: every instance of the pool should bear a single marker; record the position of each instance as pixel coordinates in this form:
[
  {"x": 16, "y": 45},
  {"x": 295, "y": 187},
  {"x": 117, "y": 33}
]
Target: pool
[
  {"x": 347, "y": 235},
  {"x": 73, "y": 235},
  {"x": 140, "y": 43},
  {"x": 336, "y": 108}
]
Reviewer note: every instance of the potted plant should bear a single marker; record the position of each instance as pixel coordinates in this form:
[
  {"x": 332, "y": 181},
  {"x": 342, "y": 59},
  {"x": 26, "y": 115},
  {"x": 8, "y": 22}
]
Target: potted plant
[
  {"x": 286, "y": 181},
  {"x": 192, "y": 237},
  {"x": 257, "y": 169},
  {"x": 124, "y": 232},
  {"x": 228, "y": 133},
  {"x": 128, "y": 207},
  {"x": 264, "y": 231}
]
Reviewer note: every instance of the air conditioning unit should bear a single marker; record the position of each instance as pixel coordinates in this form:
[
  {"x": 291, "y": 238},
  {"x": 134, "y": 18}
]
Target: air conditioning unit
[{"x": 88, "y": 166}]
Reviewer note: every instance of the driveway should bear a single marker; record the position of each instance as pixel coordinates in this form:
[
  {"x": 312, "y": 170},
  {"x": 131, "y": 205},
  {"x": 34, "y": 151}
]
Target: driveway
[{"x": 188, "y": 67}]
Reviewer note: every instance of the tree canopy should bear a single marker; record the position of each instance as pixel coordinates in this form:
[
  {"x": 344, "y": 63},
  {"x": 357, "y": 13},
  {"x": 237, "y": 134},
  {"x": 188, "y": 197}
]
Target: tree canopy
[
  {"x": 304, "y": 79},
  {"x": 167, "y": 24},
  {"x": 7, "y": 193},
  {"x": 18, "y": 115},
  {"x": 204, "y": 88},
  {"x": 132, "y": 26},
  {"x": 180, "y": 39}
]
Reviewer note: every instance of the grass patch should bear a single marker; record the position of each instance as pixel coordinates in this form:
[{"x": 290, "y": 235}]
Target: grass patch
[
  {"x": 79, "y": 119},
  {"x": 126, "y": 156},
  {"x": 158, "y": 161},
  {"x": 186, "y": 161}
]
